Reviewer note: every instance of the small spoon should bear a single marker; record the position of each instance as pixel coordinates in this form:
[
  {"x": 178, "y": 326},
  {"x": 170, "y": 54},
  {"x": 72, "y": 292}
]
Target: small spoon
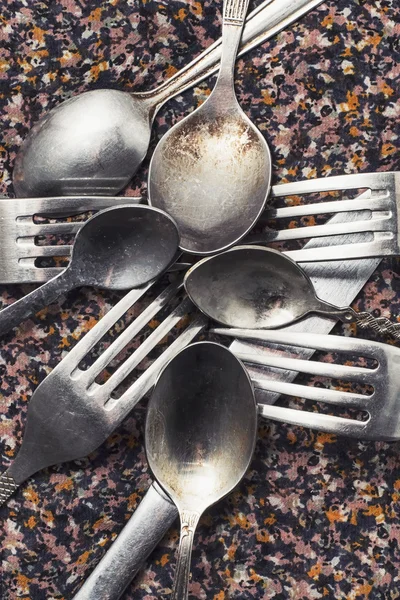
[
  {"x": 251, "y": 287},
  {"x": 119, "y": 248},
  {"x": 212, "y": 170},
  {"x": 201, "y": 429}
]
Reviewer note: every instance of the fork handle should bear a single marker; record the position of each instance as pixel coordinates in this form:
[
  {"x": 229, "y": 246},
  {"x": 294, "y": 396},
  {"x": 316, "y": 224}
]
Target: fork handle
[
  {"x": 15, "y": 313},
  {"x": 378, "y": 324}
]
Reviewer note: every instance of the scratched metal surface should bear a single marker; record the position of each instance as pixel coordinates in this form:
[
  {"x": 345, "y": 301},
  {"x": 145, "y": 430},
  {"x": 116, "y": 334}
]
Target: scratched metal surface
[{"x": 316, "y": 517}]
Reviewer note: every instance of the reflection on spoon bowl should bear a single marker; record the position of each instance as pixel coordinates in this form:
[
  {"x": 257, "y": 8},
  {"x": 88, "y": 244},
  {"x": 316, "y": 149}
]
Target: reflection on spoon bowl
[
  {"x": 90, "y": 144},
  {"x": 211, "y": 173}
]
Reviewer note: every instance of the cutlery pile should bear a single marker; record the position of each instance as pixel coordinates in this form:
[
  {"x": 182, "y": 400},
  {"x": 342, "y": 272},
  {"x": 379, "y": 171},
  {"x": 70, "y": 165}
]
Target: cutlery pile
[{"x": 214, "y": 294}]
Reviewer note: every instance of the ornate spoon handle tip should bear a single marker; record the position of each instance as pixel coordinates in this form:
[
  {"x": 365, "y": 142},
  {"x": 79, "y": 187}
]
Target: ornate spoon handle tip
[
  {"x": 7, "y": 487},
  {"x": 378, "y": 324},
  {"x": 235, "y": 10}
]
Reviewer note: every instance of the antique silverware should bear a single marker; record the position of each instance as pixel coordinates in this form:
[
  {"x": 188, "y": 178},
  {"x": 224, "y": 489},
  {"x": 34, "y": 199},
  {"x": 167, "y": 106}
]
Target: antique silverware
[
  {"x": 252, "y": 287},
  {"x": 340, "y": 282},
  {"x": 381, "y": 406},
  {"x": 94, "y": 143},
  {"x": 211, "y": 172},
  {"x": 381, "y": 222},
  {"x": 118, "y": 249},
  {"x": 89, "y": 412},
  {"x": 201, "y": 429},
  {"x": 18, "y": 232}
]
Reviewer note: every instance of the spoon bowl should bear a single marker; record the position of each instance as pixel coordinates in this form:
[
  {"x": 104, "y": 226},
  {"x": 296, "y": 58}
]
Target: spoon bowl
[
  {"x": 90, "y": 144},
  {"x": 200, "y": 435},
  {"x": 123, "y": 249},
  {"x": 251, "y": 287},
  {"x": 212, "y": 173}
]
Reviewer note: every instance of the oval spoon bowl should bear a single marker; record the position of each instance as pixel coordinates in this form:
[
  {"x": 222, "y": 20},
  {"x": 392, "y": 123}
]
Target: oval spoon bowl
[
  {"x": 250, "y": 287},
  {"x": 90, "y": 144},
  {"x": 212, "y": 174}
]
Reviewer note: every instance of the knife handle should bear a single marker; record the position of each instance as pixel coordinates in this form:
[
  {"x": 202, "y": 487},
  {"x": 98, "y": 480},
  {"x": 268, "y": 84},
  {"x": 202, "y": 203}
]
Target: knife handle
[{"x": 142, "y": 533}]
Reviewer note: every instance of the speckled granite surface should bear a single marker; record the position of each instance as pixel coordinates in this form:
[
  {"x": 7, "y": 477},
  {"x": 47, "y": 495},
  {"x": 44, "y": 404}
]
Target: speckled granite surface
[{"x": 316, "y": 516}]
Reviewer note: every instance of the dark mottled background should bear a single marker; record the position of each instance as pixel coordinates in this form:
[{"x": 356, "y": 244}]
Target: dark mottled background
[{"x": 316, "y": 516}]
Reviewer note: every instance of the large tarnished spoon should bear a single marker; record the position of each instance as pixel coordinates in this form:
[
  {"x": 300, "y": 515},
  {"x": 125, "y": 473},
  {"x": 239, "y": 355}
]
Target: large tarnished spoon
[
  {"x": 200, "y": 435},
  {"x": 211, "y": 172}
]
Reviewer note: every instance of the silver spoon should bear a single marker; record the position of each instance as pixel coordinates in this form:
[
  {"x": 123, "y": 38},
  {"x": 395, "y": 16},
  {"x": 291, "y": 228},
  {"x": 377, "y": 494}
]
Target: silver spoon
[
  {"x": 201, "y": 429},
  {"x": 118, "y": 249},
  {"x": 212, "y": 170},
  {"x": 95, "y": 142},
  {"x": 251, "y": 287}
]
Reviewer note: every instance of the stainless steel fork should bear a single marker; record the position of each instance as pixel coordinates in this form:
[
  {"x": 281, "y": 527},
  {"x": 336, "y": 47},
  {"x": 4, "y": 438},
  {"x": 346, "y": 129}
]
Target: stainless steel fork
[
  {"x": 382, "y": 405},
  {"x": 156, "y": 512},
  {"x": 70, "y": 414},
  {"x": 18, "y": 232},
  {"x": 337, "y": 282},
  {"x": 382, "y": 200}
]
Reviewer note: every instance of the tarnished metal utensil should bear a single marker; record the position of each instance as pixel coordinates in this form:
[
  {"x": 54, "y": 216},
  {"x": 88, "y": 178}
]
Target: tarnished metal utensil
[
  {"x": 252, "y": 287},
  {"x": 201, "y": 430},
  {"x": 212, "y": 170},
  {"x": 118, "y": 249}
]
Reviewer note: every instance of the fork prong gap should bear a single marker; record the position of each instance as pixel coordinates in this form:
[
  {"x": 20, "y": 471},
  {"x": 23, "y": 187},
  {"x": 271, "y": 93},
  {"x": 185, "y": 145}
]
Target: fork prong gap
[
  {"x": 145, "y": 348},
  {"x": 144, "y": 383},
  {"x": 78, "y": 353},
  {"x": 131, "y": 331}
]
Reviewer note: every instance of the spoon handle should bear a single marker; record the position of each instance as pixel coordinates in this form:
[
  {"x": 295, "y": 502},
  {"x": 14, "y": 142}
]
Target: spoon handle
[
  {"x": 363, "y": 319},
  {"x": 378, "y": 324},
  {"x": 263, "y": 23},
  {"x": 189, "y": 521},
  {"x": 12, "y": 315},
  {"x": 232, "y": 28}
]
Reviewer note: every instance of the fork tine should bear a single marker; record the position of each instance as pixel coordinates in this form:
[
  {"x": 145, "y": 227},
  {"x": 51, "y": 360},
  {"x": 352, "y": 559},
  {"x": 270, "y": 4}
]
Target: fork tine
[
  {"x": 311, "y": 420},
  {"x": 32, "y": 251},
  {"x": 93, "y": 336},
  {"x": 65, "y": 205},
  {"x": 372, "y": 181},
  {"x": 381, "y": 202},
  {"x": 313, "y": 393},
  {"x": 315, "y": 341},
  {"x": 358, "y": 374},
  {"x": 314, "y": 231},
  {"x": 72, "y": 205},
  {"x": 73, "y": 186},
  {"x": 131, "y": 331},
  {"x": 25, "y": 229},
  {"x": 147, "y": 346},
  {"x": 140, "y": 388},
  {"x": 377, "y": 248}
]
